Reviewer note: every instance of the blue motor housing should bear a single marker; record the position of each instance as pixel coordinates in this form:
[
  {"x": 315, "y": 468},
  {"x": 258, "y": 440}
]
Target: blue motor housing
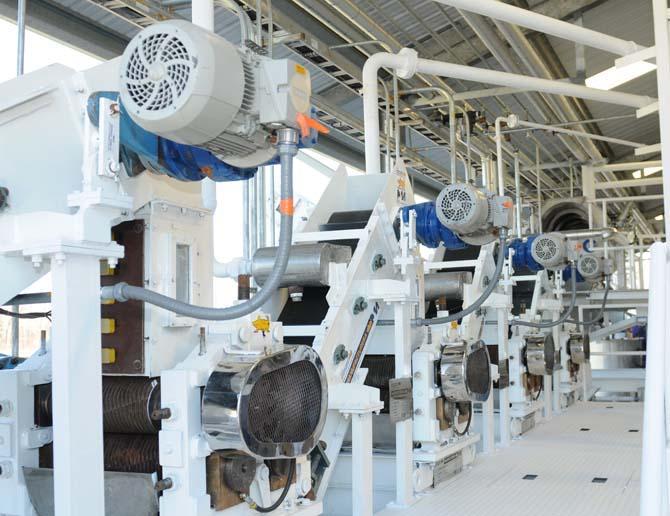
[
  {"x": 567, "y": 275},
  {"x": 429, "y": 230},
  {"x": 523, "y": 258},
  {"x": 141, "y": 150}
]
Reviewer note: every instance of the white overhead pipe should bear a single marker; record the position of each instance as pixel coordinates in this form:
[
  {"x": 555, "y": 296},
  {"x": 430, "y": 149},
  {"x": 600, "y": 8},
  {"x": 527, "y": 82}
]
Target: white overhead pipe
[
  {"x": 406, "y": 63},
  {"x": 499, "y": 155},
  {"x": 514, "y": 121},
  {"x": 517, "y": 192},
  {"x": 546, "y": 25}
]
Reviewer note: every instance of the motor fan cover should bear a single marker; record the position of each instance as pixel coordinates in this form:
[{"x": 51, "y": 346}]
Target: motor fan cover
[{"x": 550, "y": 250}]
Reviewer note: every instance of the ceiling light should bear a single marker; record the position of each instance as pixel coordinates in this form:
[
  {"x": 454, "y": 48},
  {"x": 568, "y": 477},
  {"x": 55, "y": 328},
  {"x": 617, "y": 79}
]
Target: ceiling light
[
  {"x": 615, "y": 76},
  {"x": 651, "y": 170},
  {"x": 637, "y": 174},
  {"x": 658, "y": 217}
]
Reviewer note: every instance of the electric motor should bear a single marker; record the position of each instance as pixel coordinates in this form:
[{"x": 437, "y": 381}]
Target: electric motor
[
  {"x": 592, "y": 266},
  {"x": 465, "y": 372},
  {"x": 550, "y": 250},
  {"x": 189, "y": 85},
  {"x": 540, "y": 354},
  {"x": 269, "y": 407},
  {"x": 472, "y": 213}
]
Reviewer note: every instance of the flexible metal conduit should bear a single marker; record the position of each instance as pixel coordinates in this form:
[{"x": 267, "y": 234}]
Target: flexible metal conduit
[
  {"x": 502, "y": 251},
  {"x": 599, "y": 314},
  {"x": 566, "y": 313},
  {"x": 288, "y": 148}
]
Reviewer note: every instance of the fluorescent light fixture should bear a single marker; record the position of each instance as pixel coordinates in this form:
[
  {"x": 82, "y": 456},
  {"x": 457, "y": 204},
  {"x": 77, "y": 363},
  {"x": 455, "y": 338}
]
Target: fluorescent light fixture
[
  {"x": 658, "y": 217},
  {"x": 616, "y": 76}
]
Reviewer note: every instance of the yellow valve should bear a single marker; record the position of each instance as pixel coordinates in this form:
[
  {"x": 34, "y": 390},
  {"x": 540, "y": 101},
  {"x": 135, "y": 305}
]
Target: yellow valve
[
  {"x": 454, "y": 325},
  {"x": 105, "y": 269},
  {"x": 108, "y": 356},
  {"x": 107, "y": 301},
  {"x": 261, "y": 324},
  {"x": 108, "y": 326}
]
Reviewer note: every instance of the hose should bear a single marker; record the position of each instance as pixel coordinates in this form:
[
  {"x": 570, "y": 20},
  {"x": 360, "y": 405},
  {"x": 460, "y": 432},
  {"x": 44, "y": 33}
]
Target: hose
[
  {"x": 568, "y": 310},
  {"x": 600, "y": 312},
  {"x": 288, "y": 147},
  {"x": 282, "y": 496},
  {"x": 485, "y": 295}
]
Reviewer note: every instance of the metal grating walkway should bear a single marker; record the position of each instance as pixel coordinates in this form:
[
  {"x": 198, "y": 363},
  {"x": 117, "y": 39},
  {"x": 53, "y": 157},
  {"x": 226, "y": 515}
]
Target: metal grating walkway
[{"x": 568, "y": 470}]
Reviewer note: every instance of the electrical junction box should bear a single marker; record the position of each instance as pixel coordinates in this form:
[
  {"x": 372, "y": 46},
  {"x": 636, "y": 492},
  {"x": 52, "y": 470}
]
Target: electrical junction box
[{"x": 285, "y": 90}]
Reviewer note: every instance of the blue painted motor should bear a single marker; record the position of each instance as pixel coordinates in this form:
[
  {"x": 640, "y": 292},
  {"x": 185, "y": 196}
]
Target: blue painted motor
[
  {"x": 429, "y": 230},
  {"x": 141, "y": 150},
  {"x": 523, "y": 257}
]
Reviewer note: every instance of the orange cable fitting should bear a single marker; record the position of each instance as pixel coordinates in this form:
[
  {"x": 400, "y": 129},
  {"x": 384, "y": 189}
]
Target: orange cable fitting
[{"x": 286, "y": 206}]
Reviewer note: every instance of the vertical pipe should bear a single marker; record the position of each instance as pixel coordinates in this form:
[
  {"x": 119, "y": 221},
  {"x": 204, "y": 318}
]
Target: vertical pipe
[
  {"x": 21, "y": 27},
  {"x": 539, "y": 188},
  {"x": 202, "y": 14},
  {"x": 260, "y": 207},
  {"x": 605, "y": 222},
  {"x": 653, "y": 471},
  {"x": 452, "y": 140},
  {"x": 396, "y": 118},
  {"x": 246, "y": 239},
  {"x": 661, "y": 36},
  {"x": 640, "y": 271},
  {"x": 15, "y": 332},
  {"x": 499, "y": 156},
  {"x": 270, "y": 30},
  {"x": 517, "y": 192},
  {"x": 631, "y": 268}
]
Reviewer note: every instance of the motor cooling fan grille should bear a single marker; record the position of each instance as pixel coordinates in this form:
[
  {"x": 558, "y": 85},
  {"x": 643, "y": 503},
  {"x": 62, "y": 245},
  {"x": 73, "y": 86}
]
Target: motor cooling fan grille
[
  {"x": 457, "y": 205},
  {"x": 588, "y": 265},
  {"x": 158, "y": 71},
  {"x": 285, "y": 404},
  {"x": 546, "y": 249}
]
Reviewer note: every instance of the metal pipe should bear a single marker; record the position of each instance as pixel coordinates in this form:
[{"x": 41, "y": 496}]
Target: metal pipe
[
  {"x": 546, "y": 25},
  {"x": 288, "y": 148},
  {"x": 15, "y": 332},
  {"x": 452, "y": 121},
  {"x": 578, "y": 134},
  {"x": 630, "y": 198},
  {"x": 21, "y": 28},
  {"x": 408, "y": 63},
  {"x": 499, "y": 158},
  {"x": 517, "y": 193},
  {"x": 539, "y": 188}
]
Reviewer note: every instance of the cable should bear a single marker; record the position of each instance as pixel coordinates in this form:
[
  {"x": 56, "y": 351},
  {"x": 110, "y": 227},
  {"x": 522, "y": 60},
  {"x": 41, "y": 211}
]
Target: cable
[
  {"x": 288, "y": 147},
  {"x": 539, "y": 391},
  {"x": 568, "y": 310},
  {"x": 489, "y": 289},
  {"x": 28, "y": 315},
  {"x": 467, "y": 427},
  {"x": 600, "y": 312},
  {"x": 282, "y": 496}
]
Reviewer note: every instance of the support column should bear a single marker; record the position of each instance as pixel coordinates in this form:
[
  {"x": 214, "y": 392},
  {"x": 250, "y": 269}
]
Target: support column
[
  {"x": 77, "y": 386},
  {"x": 556, "y": 393},
  {"x": 403, "y": 429},
  {"x": 503, "y": 393},
  {"x": 361, "y": 471},
  {"x": 488, "y": 425}
]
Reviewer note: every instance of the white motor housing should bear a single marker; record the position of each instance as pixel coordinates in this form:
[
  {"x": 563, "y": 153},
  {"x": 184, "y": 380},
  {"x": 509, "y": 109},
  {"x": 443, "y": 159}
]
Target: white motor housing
[
  {"x": 550, "y": 250},
  {"x": 593, "y": 266},
  {"x": 189, "y": 85},
  {"x": 472, "y": 213}
]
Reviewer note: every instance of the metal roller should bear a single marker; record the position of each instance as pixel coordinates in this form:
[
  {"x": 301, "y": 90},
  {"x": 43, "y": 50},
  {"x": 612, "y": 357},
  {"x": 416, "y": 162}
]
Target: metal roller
[
  {"x": 540, "y": 354},
  {"x": 131, "y": 453},
  {"x": 465, "y": 372},
  {"x": 576, "y": 348},
  {"x": 128, "y": 403},
  {"x": 307, "y": 266},
  {"x": 273, "y": 406},
  {"x": 445, "y": 284}
]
